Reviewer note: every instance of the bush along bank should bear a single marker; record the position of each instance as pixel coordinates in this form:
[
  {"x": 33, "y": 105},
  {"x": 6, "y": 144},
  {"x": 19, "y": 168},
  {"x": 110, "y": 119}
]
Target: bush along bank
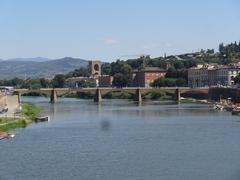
[{"x": 28, "y": 115}]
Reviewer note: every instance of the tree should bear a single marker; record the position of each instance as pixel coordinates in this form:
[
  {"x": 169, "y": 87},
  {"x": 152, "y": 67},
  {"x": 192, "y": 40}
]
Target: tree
[
  {"x": 83, "y": 71},
  {"x": 31, "y": 84},
  {"x": 59, "y": 81},
  {"x": 210, "y": 51},
  {"x": 178, "y": 65},
  {"x": 120, "y": 67},
  {"x": 106, "y": 68},
  {"x": 160, "y": 82},
  {"x": 221, "y": 48},
  {"x": 168, "y": 82},
  {"x": 119, "y": 80},
  {"x": 181, "y": 82},
  {"x": 237, "y": 79},
  {"x": 171, "y": 73},
  {"x": 45, "y": 83}
]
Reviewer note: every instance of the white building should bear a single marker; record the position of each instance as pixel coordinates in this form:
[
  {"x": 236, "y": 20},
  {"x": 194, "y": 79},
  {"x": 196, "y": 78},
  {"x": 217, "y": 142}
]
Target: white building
[
  {"x": 212, "y": 75},
  {"x": 75, "y": 82}
]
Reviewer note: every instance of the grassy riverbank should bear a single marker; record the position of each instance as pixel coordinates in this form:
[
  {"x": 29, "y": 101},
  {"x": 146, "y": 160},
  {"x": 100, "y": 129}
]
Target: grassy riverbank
[
  {"x": 12, "y": 123},
  {"x": 29, "y": 113}
]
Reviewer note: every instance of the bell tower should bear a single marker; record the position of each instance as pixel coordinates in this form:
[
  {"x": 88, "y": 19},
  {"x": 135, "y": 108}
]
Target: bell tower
[{"x": 95, "y": 68}]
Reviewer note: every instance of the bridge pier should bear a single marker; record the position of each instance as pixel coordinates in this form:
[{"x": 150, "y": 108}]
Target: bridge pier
[
  {"x": 98, "y": 96},
  {"x": 19, "y": 98},
  {"x": 178, "y": 95},
  {"x": 138, "y": 96},
  {"x": 53, "y": 96}
]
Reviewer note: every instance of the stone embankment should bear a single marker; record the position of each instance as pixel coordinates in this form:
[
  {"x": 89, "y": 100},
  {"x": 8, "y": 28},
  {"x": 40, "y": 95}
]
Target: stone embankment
[{"x": 9, "y": 104}]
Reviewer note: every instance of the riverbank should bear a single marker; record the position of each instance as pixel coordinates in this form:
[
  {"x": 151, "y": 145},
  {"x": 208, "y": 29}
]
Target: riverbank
[
  {"x": 7, "y": 123},
  {"x": 28, "y": 115}
]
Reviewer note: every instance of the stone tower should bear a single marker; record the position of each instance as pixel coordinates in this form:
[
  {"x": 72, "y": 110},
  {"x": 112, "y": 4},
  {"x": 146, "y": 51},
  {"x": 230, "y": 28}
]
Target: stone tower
[{"x": 95, "y": 68}]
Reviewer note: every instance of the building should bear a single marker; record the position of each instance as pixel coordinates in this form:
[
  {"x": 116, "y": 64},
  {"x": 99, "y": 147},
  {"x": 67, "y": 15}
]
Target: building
[
  {"x": 77, "y": 82},
  {"x": 198, "y": 76},
  {"x": 146, "y": 76},
  {"x": 105, "y": 81},
  {"x": 225, "y": 75},
  {"x": 95, "y": 68},
  {"x": 93, "y": 80},
  {"x": 8, "y": 90},
  {"x": 213, "y": 75}
]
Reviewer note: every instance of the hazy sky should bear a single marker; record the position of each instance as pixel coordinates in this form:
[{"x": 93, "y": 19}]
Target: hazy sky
[{"x": 111, "y": 29}]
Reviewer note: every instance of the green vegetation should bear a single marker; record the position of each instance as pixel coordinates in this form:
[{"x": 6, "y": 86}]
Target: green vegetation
[
  {"x": 118, "y": 95},
  {"x": 11, "y": 123},
  {"x": 29, "y": 113},
  {"x": 230, "y": 52},
  {"x": 123, "y": 95},
  {"x": 30, "y": 110},
  {"x": 162, "y": 96},
  {"x": 169, "y": 82}
]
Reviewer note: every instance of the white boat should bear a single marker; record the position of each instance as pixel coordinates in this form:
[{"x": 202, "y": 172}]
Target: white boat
[
  {"x": 4, "y": 135},
  {"x": 218, "y": 107}
]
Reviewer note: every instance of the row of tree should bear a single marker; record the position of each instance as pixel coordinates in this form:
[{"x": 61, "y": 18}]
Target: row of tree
[
  {"x": 229, "y": 50},
  {"x": 169, "y": 82},
  {"x": 35, "y": 83}
]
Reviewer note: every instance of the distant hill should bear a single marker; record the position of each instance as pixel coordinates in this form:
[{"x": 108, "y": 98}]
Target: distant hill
[
  {"x": 33, "y": 68},
  {"x": 35, "y": 59}
]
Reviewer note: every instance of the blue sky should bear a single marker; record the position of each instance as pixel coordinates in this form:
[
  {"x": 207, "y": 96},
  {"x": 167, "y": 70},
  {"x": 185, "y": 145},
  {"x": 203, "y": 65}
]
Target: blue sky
[{"x": 111, "y": 29}]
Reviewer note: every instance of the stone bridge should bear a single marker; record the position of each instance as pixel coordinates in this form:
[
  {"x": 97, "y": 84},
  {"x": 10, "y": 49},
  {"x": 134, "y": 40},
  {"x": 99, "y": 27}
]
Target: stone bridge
[{"x": 54, "y": 93}]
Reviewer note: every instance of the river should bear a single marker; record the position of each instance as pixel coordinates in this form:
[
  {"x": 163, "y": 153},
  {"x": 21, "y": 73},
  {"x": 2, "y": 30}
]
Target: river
[{"x": 120, "y": 140}]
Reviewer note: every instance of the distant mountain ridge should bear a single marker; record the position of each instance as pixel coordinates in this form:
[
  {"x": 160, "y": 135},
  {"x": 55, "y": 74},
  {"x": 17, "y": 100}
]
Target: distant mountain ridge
[
  {"x": 38, "y": 67},
  {"x": 35, "y": 59}
]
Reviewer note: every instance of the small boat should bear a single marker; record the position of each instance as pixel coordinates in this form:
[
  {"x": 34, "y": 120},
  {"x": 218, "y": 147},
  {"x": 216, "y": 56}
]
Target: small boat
[
  {"x": 4, "y": 135},
  {"x": 42, "y": 119},
  {"x": 218, "y": 107},
  {"x": 11, "y": 135}
]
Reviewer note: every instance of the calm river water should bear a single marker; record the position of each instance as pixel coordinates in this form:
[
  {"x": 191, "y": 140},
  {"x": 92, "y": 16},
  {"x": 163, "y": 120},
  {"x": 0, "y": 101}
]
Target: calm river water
[{"x": 119, "y": 140}]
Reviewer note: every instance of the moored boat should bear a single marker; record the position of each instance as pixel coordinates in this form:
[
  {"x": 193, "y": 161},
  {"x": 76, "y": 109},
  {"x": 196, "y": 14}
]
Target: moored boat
[
  {"x": 42, "y": 119},
  {"x": 218, "y": 107},
  {"x": 4, "y": 135}
]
